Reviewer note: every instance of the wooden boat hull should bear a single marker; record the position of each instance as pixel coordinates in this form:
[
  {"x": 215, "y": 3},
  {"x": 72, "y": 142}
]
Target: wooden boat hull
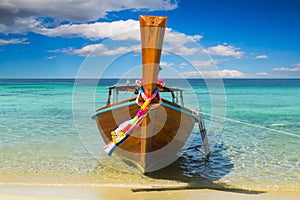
[{"x": 157, "y": 141}]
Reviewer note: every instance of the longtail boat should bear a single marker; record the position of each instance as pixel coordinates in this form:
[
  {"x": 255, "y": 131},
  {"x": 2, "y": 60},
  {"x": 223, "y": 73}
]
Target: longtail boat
[{"x": 148, "y": 130}]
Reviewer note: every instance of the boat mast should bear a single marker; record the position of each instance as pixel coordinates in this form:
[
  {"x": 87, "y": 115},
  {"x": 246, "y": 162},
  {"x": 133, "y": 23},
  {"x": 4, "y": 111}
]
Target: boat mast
[{"x": 152, "y": 30}]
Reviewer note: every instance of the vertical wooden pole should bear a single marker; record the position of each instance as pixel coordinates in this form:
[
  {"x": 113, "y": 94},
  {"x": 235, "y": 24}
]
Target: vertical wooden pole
[{"x": 152, "y": 30}]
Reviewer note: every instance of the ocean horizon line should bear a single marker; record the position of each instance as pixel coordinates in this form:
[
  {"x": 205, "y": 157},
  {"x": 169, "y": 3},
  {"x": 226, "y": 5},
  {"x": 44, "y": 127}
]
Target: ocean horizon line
[
  {"x": 257, "y": 82},
  {"x": 69, "y": 78}
]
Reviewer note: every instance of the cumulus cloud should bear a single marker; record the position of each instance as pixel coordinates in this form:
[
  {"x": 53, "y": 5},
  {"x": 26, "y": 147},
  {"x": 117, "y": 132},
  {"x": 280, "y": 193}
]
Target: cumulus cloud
[
  {"x": 180, "y": 49},
  {"x": 261, "y": 57},
  {"x": 175, "y": 42},
  {"x": 117, "y": 30},
  {"x": 285, "y": 69},
  {"x": 100, "y": 50},
  {"x": 80, "y": 20},
  {"x": 225, "y": 50},
  {"x": 13, "y": 41},
  {"x": 13, "y": 12}
]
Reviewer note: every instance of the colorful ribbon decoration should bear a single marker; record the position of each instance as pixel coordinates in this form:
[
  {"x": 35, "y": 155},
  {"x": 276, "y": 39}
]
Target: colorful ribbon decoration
[{"x": 121, "y": 133}]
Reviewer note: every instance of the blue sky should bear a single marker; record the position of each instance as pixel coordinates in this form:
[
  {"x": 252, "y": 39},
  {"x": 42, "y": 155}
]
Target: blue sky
[{"x": 219, "y": 38}]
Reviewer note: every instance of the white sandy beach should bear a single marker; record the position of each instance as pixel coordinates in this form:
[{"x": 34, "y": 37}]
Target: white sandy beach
[{"x": 59, "y": 192}]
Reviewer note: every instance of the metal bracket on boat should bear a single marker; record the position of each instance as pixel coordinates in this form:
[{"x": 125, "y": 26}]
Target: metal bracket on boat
[{"x": 203, "y": 133}]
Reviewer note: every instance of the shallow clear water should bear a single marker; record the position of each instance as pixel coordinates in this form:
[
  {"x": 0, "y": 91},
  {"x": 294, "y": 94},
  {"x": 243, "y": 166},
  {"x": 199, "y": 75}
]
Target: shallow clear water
[{"x": 46, "y": 129}]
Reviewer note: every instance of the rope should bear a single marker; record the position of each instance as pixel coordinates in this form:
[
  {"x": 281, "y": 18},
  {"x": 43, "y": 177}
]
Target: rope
[{"x": 253, "y": 125}]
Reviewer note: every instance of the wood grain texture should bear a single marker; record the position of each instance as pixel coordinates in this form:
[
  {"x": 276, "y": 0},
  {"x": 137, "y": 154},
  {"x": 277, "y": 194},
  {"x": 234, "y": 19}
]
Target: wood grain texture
[{"x": 152, "y": 30}]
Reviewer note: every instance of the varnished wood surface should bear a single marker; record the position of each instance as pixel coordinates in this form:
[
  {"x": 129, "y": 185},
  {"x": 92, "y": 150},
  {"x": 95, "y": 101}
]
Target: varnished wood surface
[{"x": 152, "y": 30}]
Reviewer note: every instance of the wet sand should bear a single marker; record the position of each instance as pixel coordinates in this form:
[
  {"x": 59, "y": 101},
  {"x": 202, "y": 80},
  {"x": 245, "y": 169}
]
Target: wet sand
[
  {"x": 40, "y": 187},
  {"x": 59, "y": 192}
]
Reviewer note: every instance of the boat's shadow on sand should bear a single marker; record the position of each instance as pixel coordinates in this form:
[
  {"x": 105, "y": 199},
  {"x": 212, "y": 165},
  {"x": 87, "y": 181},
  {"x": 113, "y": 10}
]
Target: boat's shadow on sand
[{"x": 198, "y": 172}]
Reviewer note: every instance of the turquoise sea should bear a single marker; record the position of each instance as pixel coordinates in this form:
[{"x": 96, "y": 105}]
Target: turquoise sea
[{"x": 48, "y": 137}]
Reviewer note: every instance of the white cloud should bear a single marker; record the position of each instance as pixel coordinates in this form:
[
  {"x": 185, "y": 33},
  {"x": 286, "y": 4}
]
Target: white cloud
[
  {"x": 51, "y": 57},
  {"x": 172, "y": 36},
  {"x": 44, "y": 17},
  {"x": 226, "y": 73},
  {"x": 166, "y": 64},
  {"x": 296, "y": 65},
  {"x": 285, "y": 69},
  {"x": 263, "y": 74},
  {"x": 182, "y": 65},
  {"x": 207, "y": 63},
  {"x": 117, "y": 30},
  {"x": 261, "y": 57},
  {"x": 14, "y": 11},
  {"x": 100, "y": 50},
  {"x": 225, "y": 50},
  {"x": 13, "y": 41},
  {"x": 79, "y": 17},
  {"x": 180, "y": 49},
  {"x": 176, "y": 43},
  {"x": 191, "y": 74}
]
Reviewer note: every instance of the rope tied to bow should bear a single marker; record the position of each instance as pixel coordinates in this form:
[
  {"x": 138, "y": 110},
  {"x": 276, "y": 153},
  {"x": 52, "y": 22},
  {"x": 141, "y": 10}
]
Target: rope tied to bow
[{"x": 125, "y": 129}]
